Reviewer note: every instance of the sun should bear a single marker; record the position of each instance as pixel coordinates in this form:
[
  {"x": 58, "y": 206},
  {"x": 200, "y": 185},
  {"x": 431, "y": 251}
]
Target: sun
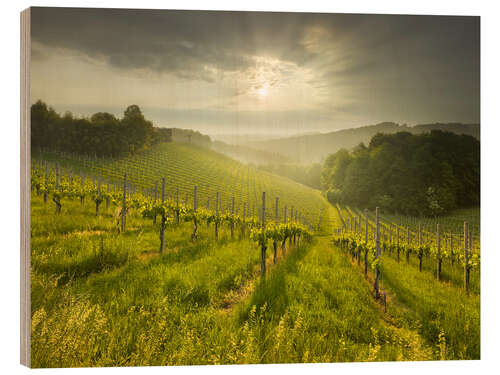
[{"x": 263, "y": 91}]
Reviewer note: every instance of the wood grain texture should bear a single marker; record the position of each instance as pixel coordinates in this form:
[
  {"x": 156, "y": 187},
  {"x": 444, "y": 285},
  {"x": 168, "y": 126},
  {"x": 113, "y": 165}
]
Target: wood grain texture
[{"x": 25, "y": 187}]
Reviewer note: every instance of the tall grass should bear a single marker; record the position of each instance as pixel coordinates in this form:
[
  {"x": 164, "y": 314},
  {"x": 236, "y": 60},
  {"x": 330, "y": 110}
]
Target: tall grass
[
  {"x": 447, "y": 316},
  {"x": 100, "y": 298}
]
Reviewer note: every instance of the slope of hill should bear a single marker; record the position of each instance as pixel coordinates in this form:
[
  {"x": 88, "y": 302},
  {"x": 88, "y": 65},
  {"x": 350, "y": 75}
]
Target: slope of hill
[
  {"x": 186, "y": 166},
  {"x": 247, "y": 154},
  {"x": 315, "y": 147}
]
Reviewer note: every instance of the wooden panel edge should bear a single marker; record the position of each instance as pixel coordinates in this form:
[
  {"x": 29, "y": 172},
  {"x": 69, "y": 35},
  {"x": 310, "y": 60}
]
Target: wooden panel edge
[{"x": 25, "y": 188}]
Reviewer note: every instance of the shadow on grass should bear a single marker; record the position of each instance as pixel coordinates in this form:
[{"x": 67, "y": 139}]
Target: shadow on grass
[{"x": 271, "y": 290}]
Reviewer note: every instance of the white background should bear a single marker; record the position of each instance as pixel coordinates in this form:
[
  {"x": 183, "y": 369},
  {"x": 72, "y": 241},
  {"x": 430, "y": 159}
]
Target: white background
[{"x": 490, "y": 134}]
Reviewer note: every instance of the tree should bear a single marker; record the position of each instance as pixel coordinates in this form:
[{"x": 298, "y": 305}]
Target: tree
[
  {"x": 138, "y": 129},
  {"x": 425, "y": 174},
  {"x": 103, "y": 134}
]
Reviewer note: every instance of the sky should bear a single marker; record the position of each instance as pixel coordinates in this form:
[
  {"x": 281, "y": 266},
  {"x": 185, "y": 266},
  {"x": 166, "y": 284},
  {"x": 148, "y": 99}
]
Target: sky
[{"x": 257, "y": 73}]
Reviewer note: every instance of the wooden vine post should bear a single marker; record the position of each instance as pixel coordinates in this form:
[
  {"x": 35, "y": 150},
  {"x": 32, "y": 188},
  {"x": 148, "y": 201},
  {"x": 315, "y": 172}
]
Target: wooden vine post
[
  {"x": 232, "y": 217},
  {"x": 82, "y": 193},
  {"x": 177, "y": 219},
  {"x": 377, "y": 253},
  {"x": 466, "y": 257},
  {"x": 46, "y": 191},
  {"x": 107, "y": 196},
  {"x": 263, "y": 244},
  {"x": 276, "y": 220},
  {"x": 358, "y": 254},
  {"x": 366, "y": 241},
  {"x": 439, "y": 260},
  {"x": 56, "y": 198},
  {"x": 155, "y": 199},
  {"x": 420, "y": 250},
  {"x": 98, "y": 197},
  {"x": 283, "y": 243},
  {"x": 244, "y": 220},
  {"x": 407, "y": 244},
  {"x": 216, "y": 216},
  {"x": 291, "y": 220},
  {"x": 195, "y": 208},
  {"x": 452, "y": 255},
  {"x": 163, "y": 218},
  {"x": 124, "y": 214},
  {"x": 353, "y": 251},
  {"x": 294, "y": 235},
  {"x": 397, "y": 243}
]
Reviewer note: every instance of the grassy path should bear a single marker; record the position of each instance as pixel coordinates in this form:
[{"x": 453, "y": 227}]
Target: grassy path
[
  {"x": 315, "y": 307},
  {"x": 445, "y": 317}
]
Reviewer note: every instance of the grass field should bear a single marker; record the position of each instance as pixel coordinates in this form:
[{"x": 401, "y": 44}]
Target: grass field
[
  {"x": 104, "y": 298},
  {"x": 100, "y": 299},
  {"x": 444, "y": 314}
]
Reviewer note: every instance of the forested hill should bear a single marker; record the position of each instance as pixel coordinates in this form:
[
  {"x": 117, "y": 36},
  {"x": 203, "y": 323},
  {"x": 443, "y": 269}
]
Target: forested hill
[
  {"x": 316, "y": 147},
  {"x": 426, "y": 174},
  {"x": 102, "y": 134}
]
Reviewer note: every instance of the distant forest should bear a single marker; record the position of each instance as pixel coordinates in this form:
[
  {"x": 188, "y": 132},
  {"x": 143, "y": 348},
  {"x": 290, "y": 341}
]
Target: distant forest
[
  {"x": 426, "y": 174},
  {"x": 314, "y": 148},
  {"x": 190, "y": 136},
  {"x": 100, "y": 135}
]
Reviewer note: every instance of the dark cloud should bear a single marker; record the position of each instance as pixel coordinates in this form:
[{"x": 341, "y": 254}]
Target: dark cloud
[
  {"x": 413, "y": 62},
  {"x": 185, "y": 43}
]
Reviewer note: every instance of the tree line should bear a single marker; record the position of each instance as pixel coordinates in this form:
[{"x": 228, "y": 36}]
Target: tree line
[
  {"x": 426, "y": 174},
  {"x": 101, "y": 135}
]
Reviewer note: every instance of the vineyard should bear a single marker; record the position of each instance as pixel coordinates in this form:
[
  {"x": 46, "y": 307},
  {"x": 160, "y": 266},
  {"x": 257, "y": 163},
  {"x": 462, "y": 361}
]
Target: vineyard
[
  {"x": 184, "y": 166},
  {"x": 437, "y": 274},
  {"x": 180, "y": 255},
  {"x": 449, "y": 255}
]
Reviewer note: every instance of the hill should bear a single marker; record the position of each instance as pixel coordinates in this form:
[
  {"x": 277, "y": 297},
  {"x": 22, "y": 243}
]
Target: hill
[
  {"x": 248, "y": 155},
  {"x": 316, "y": 147},
  {"x": 424, "y": 174},
  {"x": 186, "y": 166}
]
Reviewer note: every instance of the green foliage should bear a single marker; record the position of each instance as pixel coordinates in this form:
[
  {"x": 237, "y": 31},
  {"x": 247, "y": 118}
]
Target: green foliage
[
  {"x": 101, "y": 135},
  {"x": 427, "y": 174},
  {"x": 354, "y": 241},
  {"x": 445, "y": 309},
  {"x": 190, "y": 305},
  {"x": 185, "y": 166},
  {"x": 444, "y": 315},
  {"x": 278, "y": 233}
]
